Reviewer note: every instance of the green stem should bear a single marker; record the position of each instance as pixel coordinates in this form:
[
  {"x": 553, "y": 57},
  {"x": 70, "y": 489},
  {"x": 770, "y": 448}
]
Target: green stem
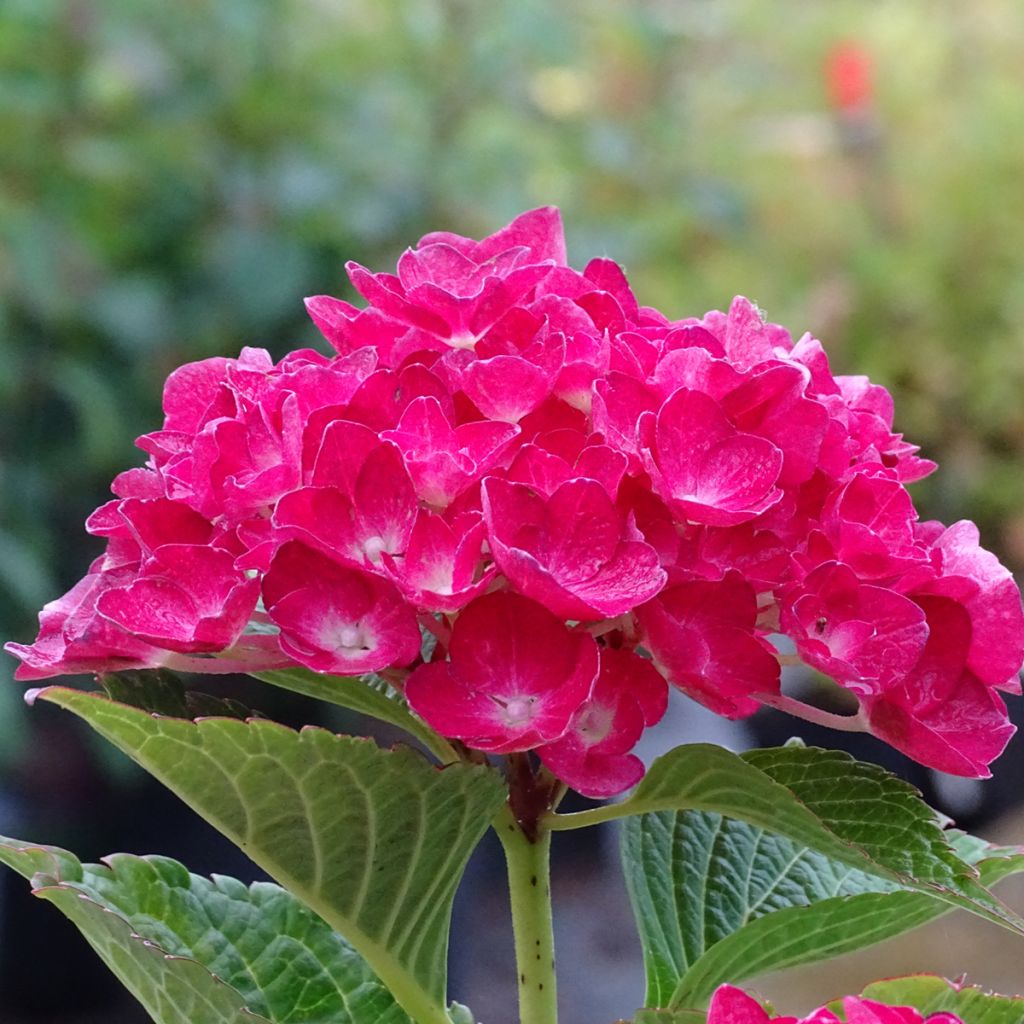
[
  {"x": 593, "y": 816},
  {"x": 529, "y": 882}
]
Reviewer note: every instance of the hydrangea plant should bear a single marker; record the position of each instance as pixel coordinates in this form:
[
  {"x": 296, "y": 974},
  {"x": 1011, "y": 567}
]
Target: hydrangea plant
[{"x": 509, "y": 514}]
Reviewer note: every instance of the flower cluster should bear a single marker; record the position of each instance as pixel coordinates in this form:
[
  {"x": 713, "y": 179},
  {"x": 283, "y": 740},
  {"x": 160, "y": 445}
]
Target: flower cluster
[
  {"x": 730, "y": 1005},
  {"x": 577, "y": 498}
]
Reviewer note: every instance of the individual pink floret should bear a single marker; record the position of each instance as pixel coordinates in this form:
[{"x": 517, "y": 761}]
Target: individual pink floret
[
  {"x": 555, "y": 458},
  {"x": 976, "y": 579},
  {"x": 512, "y": 368},
  {"x": 572, "y": 552},
  {"x": 865, "y": 637},
  {"x": 370, "y": 513},
  {"x": 870, "y": 524},
  {"x": 455, "y": 288},
  {"x": 747, "y": 337},
  {"x": 705, "y": 468},
  {"x": 702, "y": 637},
  {"x": 940, "y": 713},
  {"x": 334, "y": 618},
  {"x": 443, "y": 567},
  {"x": 186, "y": 597},
  {"x": 444, "y": 460},
  {"x": 515, "y": 678},
  {"x": 594, "y": 757}
]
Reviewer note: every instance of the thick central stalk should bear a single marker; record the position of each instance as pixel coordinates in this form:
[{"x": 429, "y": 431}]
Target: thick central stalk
[{"x": 529, "y": 882}]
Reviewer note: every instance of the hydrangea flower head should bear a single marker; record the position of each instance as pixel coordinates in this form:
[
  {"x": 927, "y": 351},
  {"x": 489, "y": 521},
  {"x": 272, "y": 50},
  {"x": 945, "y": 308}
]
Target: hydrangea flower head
[{"x": 580, "y": 501}]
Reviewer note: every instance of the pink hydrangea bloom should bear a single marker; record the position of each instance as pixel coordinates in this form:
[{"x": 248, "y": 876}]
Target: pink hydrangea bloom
[
  {"x": 730, "y": 1005},
  {"x": 515, "y": 678},
  {"x": 574, "y": 498}
]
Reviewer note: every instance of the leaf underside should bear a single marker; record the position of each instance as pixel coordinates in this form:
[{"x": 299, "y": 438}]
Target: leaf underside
[
  {"x": 854, "y": 813},
  {"x": 718, "y": 900}
]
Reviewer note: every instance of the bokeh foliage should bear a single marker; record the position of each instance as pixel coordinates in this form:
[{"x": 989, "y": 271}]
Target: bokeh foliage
[{"x": 174, "y": 177}]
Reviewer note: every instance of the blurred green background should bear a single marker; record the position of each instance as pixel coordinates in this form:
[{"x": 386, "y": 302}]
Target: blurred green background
[{"x": 174, "y": 177}]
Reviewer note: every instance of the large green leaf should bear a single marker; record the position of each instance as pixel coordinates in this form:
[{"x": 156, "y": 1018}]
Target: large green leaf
[
  {"x": 173, "y": 989},
  {"x": 719, "y": 900},
  {"x": 374, "y": 841},
  {"x": 366, "y": 694},
  {"x": 281, "y": 959},
  {"x": 935, "y": 995},
  {"x": 854, "y": 813}
]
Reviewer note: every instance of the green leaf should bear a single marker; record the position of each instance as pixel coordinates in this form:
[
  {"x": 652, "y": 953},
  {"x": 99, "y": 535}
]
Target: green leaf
[
  {"x": 366, "y": 694},
  {"x": 373, "y": 841},
  {"x": 854, "y": 813},
  {"x": 281, "y": 959},
  {"x": 718, "y": 900},
  {"x": 162, "y": 692},
  {"x": 172, "y": 988},
  {"x": 935, "y": 995}
]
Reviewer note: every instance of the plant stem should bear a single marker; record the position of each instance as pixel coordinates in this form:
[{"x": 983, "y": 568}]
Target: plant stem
[
  {"x": 529, "y": 882},
  {"x": 797, "y": 708}
]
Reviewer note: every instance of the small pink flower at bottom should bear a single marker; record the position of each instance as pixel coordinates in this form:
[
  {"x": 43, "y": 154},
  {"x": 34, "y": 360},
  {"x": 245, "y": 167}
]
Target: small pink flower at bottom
[
  {"x": 730, "y": 1005},
  {"x": 515, "y": 677},
  {"x": 593, "y": 756}
]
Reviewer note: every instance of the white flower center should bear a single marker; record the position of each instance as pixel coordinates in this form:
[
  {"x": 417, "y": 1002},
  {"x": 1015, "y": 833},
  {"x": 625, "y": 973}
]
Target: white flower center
[{"x": 519, "y": 710}]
